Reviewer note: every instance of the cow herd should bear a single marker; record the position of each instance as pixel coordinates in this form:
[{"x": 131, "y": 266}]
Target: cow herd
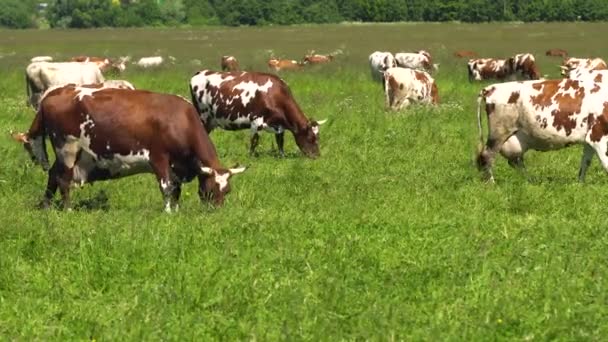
[{"x": 103, "y": 129}]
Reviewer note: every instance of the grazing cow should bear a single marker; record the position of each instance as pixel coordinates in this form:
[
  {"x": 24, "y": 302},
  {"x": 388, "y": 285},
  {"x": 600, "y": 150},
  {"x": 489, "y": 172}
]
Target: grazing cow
[
  {"x": 229, "y": 63},
  {"x": 543, "y": 115},
  {"x": 317, "y": 59},
  {"x": 379, "y": 62},
  {"x": 99, "y": 133},
  {"x": 418, "y": 60},
  {"x": 41, "y": 59},
  {"x": 525, "y": 63},
  {"x": 283, "y": 64},
  {"x": 488, "y": 68},
  {"x": 582, "y": 63},
  {"x": 41, "y": 76},
  {"x": 465, "y": 53},
  {"x": 557, "y": 53},
  {"x": 253, "y": 100},
  {"x": 403, "y": 86},
  {"x": 150, "y": 62},
  {"x": 104, "y": 64}
]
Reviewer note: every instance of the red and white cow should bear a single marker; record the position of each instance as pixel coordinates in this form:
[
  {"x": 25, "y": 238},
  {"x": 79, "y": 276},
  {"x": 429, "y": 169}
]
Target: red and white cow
[
  {"x": 104, "y": 64},
  {"x": 418, "y": 60},
  {"x": 490, "y": 68},
  {"x": 229, "y": 63},
  {"x": 525, "y": 63},
  {"x": 543, "y": 115},
  {"x": 557, "y": 53},
  {"x": 379, "y": 62},
  {"x": 255, "y": 101},
  {"x": 283, "y": 64},
  {"x": 582, "y": 63},
  {"x": 317, "y": 59},
  {"x": 403, "y": 86},
  {"x": 105, "y": 133}
]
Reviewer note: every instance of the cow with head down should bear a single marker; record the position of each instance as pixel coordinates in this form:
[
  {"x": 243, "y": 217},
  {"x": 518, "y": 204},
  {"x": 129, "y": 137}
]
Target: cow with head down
[
  {"x": 379, "y": 62},
  {"x": 490, "y": 68},
  {"x": 229, "y": 63},
  {"x": 573, "y": 63},
  {"x": 254, "y": 101},
  {"x": 102, "y": 133},
  {"x": 525, "y": 64},
  {"x": 417, "y": 60},
  {"x": 543, "y": 115},
  {"x": 403, "y": 86}
]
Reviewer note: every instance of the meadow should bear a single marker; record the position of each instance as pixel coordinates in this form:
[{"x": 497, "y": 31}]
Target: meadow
[{"x": 389, "y": 235}]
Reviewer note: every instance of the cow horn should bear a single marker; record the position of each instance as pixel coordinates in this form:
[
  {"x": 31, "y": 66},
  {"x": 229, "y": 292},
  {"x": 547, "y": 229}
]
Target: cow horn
[
  {"x": 564, "y": 67},
  {"x": 207, "y": 170},
  {"x": 320, "y": 122},
  {"x": 235, "y": 170}
]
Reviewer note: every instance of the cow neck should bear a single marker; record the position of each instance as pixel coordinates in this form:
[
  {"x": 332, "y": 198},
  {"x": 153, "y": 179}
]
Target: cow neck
[{"x": 296, "y": 118}]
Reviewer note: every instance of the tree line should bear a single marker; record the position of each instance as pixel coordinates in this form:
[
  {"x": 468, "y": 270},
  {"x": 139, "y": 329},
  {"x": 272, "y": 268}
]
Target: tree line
[{"x": 130, "y": 13}]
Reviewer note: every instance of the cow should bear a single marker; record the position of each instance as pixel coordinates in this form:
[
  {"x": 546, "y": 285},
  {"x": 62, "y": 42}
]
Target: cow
[
  {"x": 489, "y": 68},
  {"x": 379, "y": 62},
  {"x": 229, "y": 63},
  {"x": 283, "y": 64},
  {"x": 557, "y": 53},
  {"x": 525, "y": 63},
  {"x": 598, "y": 76},
  {"x": 543, "y": 115},
  {"x": 418, "y": 60},
  {"x": 582, "y": 63},
  {"x": 317, "y": 59},
  {"x": 104, "y": 64},
  {"x": 121, "y": 84},
  {"x": 257, "y": 101},
  {"x": 150, "y": 62},
  {"x": 465, "y": 53},
  {"x": 403, "y": 86},
  {"x": 102, "y": 133},
  {"x": 41, "y": 59},
  {"x": 41, "y": 76}
]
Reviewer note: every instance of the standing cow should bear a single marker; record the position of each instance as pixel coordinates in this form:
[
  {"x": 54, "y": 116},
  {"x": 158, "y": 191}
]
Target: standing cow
[
  {"x": 255, "y": 101},
  {"x": 419, "y": 60},
  {"x": 543, "y": 115},
  {"x": 573, "y": 63},
  {"x": 525, "y": 63},
  {"x": 379, "y": 62},
  {"x": 404, "y": 86},
  {"x": 104, "y": 64},
  {"x": 100, "y": 133},
  {"x": 490, "y": 68},
  {"x": 43, "y": 75},
  {"x": 229, "y": 63}
]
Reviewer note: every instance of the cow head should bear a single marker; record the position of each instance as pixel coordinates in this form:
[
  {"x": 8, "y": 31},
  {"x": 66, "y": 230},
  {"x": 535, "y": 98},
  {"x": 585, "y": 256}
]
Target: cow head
[
  {"x": 214, "y": 185},
  {"x": 307, "y": 139}
]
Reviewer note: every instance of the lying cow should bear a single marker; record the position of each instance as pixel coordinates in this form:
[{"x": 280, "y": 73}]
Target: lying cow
[
  {"x": 41, "y": 76},
  {"x": 379, "y": 62},
  {"x": 464, "y": 53},
  {"x": 229, "y": 63},
  {"x": 403, "y": 86},
  {"x": 283, "y": 64},
  {"x": 317, "y": 59},
  {"x": 104, "y": 64},
  {"x": 255, "y": 101},
  {"x": 419, "y": 60},
  {"x": 582, "y": 63},
  {"x": 525, "y": 63},
  {"x": 543, "y": 115},
  {"x": 41, "y": 59},
  {"x": 100, "y": 133},
  {"x": 490, "y": 68},
  {"x": 120, "y": 84},
  {"x": 150, "y": 62},
  {"x": 557, "y": 53}
]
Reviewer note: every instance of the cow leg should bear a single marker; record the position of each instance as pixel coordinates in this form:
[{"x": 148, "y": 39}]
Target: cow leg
[
  {"x": 280, "y": 142},
  {"x": 175, "y": 195},
  {"x": 255, "y": 138},
  {"x": 513, "y": 150},
  {"x": 51, "y": 187},
  {"x": 160, "y": 166},
  {"x": 64, "y": 179},
  {"x": 588, "y": 152}
]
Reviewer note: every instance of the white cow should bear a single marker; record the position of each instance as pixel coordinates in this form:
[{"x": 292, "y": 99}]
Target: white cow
[
  {"x": 379, "y": 62},
  {"x": 42, "y": 59},
  {"x": 120, "y": 84},
  {"x": 403, "y": 86},
  {"x": 42, "y": 75},
  {"x": 148, "y": 62},
  {"x": 599, "y": 76},
  {"x": 418, "y": 60}
]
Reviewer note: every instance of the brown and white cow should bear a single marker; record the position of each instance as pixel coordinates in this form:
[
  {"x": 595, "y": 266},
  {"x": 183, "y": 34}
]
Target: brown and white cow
[
  {"x": 525, "y": 63},
  {"x": 379, "y": 62},
  {"x": 557, "y": 53},
  {"x": 317, "y": 59},
  {"x": 255, "y": 101},
  {"x": 543, "y": 115},
  {"x": 43, "y": 75},
  {"x": 105, "y": 133},
  {"x": 573, "y": 63},
  {"x": 465, "y": 53},
  {"x": 403, "y": 86},
  {"x": 283, "y": 64},
  {"x": 416, "y": 60},
  {"x": 490, "y": 68},
  {"x": 229, "y": 63},
  {"x": 104, "y": 64}
]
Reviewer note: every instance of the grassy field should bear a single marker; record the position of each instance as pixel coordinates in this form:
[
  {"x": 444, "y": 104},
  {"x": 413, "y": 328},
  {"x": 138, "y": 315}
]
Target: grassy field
[{"x": 390, "y": 235}]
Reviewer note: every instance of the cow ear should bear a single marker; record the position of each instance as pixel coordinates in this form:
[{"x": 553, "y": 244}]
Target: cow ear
[
  {"x": 207, "y": 171},
  {"x": 20, "y": 137}
]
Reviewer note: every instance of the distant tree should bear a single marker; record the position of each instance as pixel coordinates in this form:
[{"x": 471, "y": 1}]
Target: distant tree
[{"x": 16, "y": 14}]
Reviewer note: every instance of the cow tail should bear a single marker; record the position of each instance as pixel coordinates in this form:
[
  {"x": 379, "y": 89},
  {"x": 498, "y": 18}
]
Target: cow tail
[
  {"x": 37, "y": 138},
  {"x": 28, "y": 89},
  {"x": 480, "y": 98}
]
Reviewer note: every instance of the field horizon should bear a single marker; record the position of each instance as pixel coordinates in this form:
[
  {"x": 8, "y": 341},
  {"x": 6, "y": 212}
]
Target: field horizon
[{"x": 389, "y": 235}]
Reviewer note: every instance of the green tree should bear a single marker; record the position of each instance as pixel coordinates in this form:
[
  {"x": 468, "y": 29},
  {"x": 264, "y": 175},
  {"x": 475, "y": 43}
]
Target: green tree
[{"x": 16, "y": 14}]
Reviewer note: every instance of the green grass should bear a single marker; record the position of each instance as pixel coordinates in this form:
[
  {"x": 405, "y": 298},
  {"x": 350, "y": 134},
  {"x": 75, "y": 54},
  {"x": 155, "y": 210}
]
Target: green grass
[{"x": 390, "y": 235}]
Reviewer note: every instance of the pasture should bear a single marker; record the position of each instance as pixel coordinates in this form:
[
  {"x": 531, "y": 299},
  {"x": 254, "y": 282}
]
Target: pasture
[{"x": 389, "y": 235}]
